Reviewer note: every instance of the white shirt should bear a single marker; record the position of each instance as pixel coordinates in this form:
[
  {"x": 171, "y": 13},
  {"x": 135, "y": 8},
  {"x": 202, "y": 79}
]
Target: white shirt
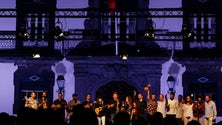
[
  {"x": 210, "y": 109},
  {"x": 173, "y": 107},
  {"x": 31, "y": 103},
  {"x": 179, "y": 109},
  {"x": 161, "y": 107},
  {"x": 188, "y": 110}
]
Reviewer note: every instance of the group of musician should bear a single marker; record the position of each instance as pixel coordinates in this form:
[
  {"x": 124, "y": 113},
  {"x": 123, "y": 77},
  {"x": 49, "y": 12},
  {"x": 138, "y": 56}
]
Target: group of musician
[{"x": 183, "y": 110}]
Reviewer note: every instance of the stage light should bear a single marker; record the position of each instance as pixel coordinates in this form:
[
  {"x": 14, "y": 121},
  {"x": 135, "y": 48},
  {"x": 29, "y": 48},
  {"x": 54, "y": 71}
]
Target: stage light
[
  {"x": 36, "y": 54},
  {"x": 124, "y": 56},
  {"x": 59, "y": 33},
  {"x": 149, "y": 33},
  {"x": 23, "y": 34},
  {"x": 188, "y": 35}
]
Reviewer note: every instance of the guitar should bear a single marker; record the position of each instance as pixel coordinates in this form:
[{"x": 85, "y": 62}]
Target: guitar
[
  {"x": 44, "y": 103},
  {"x": 99, "y": 109}
]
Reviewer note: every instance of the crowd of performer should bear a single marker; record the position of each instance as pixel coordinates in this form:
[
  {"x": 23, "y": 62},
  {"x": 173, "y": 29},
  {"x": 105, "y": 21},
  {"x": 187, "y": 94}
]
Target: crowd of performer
[{"x": 183, "y": 110}]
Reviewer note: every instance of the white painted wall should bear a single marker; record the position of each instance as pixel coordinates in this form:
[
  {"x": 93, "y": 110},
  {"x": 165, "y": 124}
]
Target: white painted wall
[
  {"x": 65, "y": 68},
  {"x": 7, "y": 23},
  {"x": 178, "y": 77},
  {"x": 72, "y": 23},
  {"x": 7, "y": 87},
  {"x": 171, "y": 24}
]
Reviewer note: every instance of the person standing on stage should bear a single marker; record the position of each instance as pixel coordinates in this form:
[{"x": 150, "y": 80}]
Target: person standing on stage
[
  {"x": 180, "y": 103},
  {"x": 210, "y": 111},
  {"x": 100, "y": 110},
  {"x": 172, "y": 106},
  {"x": 141, "y": 105},
  {"x": 187, "y": 111},
  {"x": 161, "y": 105},
  {"x": 31, "y": 102},
  {"x": 151, "y": 102},
  {"x": 114, "y": 106},
  {"x": 128, "y": 104},
  {"x": 59, "y": 106},
  {"x": 198, "y": 110},
  {"x": 73, "y": 102},
  {"x": 44, "y": 103},
  {"x": 88, "y": 103}
]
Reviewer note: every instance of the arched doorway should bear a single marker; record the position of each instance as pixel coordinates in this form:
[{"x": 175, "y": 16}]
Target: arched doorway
[
  {"x": 202, "y": 86},
  {"x": 123, "y": 88},
  {"x": 32, "y": 79}
]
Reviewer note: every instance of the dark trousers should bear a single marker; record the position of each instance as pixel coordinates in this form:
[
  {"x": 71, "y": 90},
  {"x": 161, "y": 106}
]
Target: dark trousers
[{"x": 179, "y": 121}]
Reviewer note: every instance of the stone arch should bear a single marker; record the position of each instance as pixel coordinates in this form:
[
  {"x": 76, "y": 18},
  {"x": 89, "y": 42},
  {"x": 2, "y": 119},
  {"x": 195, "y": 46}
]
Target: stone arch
[
  {"x": 200, "y": 85},
  {"x": 32, "y": 77},
  {"x": 122, "y": 87}
]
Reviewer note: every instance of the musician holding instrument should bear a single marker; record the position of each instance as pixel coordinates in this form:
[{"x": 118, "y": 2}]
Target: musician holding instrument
[
  {"x": 100, "y": 110},
  {"x": 44, "y": 103},
  {"x": 114, "y": 106},
  {"x": 71, "y": 104},
  {"x": 31, "y": 102},
  {"x": 59, "y": 103},
  {"x": 88, "y": 103}
]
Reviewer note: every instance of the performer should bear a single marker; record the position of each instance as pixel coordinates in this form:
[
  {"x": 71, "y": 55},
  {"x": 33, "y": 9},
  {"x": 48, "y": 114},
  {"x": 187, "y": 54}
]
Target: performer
[
  {"x": 100, "y": 111},
  {"x": 210, "y": 111},
  {"x": 88, "y": 104},
  {"x": 187, "y": 111},
  {"x": 171, "y": 106},
  {"x": 59, "y": 106},
  {"x": 128, "y": 105},
  {"x": 152, "y": 103},
  {"x": 161, "y": 105},
  {"x": 198, "y": 110},
  {"x": 114, "y": 106},
  {"x": 141, "y": 105},
  {"x": 31, "y": 102},
  {"x": 73, "y": 102},
  {"x": 44, "y": 102},
  {"x": 179, "y": 109},
  {"x": 135, "y": 113}
]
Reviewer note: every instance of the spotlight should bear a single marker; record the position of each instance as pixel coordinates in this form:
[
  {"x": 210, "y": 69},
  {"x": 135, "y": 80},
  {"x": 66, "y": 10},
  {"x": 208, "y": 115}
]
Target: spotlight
[
  {"x": 124, "y": 56},
  {"x": 23, "y": 34},
  {"x": 187, "y": 33},
  {"x": 59, "y": 33},
  {"x": 36, "y": 54},
  {"x": 149, "y": 33}
]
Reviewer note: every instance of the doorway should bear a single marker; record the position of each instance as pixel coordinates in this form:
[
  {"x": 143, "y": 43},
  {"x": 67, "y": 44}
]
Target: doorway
[{"x": 123, "y": 88}]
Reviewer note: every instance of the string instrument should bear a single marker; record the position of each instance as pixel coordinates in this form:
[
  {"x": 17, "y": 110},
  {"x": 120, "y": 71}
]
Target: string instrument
[
  {"x": 44, "y": 103},
  {"x": 99, "y": 109}
]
